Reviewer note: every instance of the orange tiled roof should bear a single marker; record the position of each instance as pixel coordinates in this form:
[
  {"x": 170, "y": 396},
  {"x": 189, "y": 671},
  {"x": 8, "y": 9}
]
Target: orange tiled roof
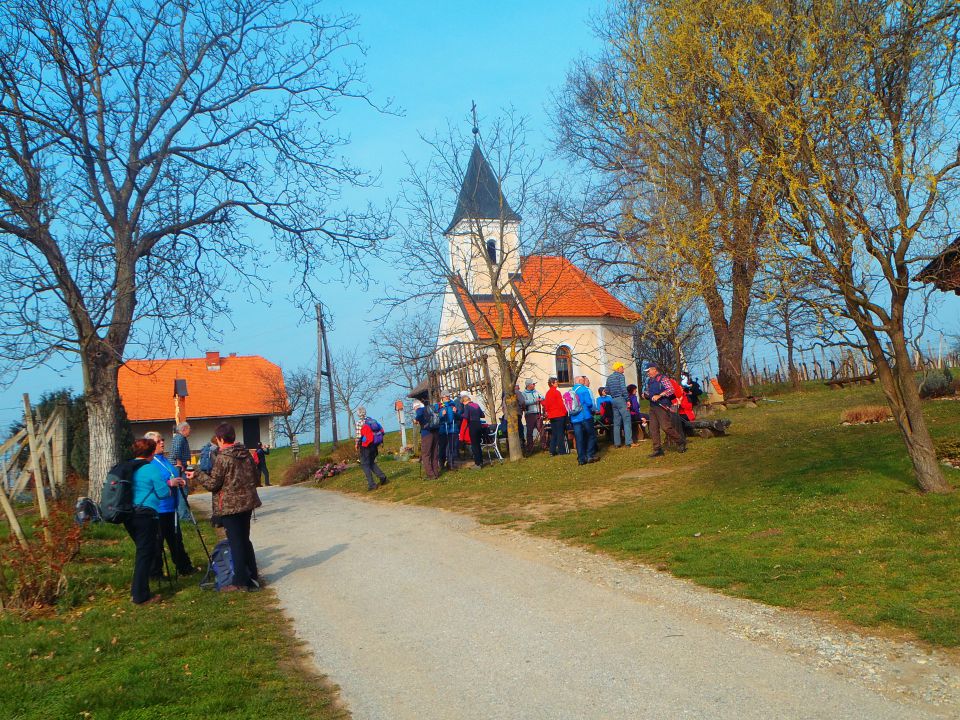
[
  {"x": 242, "y": 386},
  {"x": 513, "y": 326},
  {"x": 553, "y": 286}
]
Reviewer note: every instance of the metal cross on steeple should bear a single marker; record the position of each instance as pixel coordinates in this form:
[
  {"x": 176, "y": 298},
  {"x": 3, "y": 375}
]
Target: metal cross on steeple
[{"x": 473, "y": 110}]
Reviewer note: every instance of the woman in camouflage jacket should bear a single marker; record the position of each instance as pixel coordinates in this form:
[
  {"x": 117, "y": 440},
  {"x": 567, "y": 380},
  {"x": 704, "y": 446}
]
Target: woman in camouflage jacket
[{"x": 233, "y": 484}]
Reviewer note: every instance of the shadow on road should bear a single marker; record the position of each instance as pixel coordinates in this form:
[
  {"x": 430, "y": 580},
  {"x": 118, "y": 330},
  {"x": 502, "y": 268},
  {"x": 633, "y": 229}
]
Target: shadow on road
[{"x": 270, "y": 557}]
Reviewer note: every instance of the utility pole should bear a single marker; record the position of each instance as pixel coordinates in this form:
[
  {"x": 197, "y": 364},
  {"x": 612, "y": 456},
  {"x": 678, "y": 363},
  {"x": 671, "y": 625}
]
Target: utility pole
[
  {"x": 329, "y": 373},
  {"x": 318, "y": 381}
]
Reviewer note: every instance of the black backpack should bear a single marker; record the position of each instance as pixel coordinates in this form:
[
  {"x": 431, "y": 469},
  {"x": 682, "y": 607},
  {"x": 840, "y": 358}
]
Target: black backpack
[
  {"x": 116, "y": 498},
  {"x": 431, "y": 421}
]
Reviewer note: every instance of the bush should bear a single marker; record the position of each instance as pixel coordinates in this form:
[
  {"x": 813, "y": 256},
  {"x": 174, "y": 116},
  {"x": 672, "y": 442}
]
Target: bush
[
  {"x": 328, "y": 470},
  {"x": 303, "y": 469},
  {"x": 33, "y": 578},
  {"x": 866, "y": 414},
  {"x": 345, "y": 452},
  {"x": 937, "y": 383}
]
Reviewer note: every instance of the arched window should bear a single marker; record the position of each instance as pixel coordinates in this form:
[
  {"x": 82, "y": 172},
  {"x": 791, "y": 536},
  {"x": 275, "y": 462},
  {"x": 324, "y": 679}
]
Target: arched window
[
  {"x": 492, "y": 250},
  {"x": 564, "y": 365}
]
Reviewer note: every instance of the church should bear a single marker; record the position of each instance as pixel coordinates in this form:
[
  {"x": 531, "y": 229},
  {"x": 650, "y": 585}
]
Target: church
[{"x": 540, "y": 311}]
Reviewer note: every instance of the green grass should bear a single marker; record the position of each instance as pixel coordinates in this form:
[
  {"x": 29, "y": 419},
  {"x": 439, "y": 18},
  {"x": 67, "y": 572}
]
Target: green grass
[
  {"x": 791, "y": 509},
  {"x": 198, "y": 654}
]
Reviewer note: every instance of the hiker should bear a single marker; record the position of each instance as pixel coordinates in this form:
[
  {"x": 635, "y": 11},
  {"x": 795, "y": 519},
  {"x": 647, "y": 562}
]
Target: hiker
[
  {"x": 518, "y": 395},
  {"x": 660, "y": 393},
  {"x": 638, "y": 420},
  {"x": 691, "y": 387},
  {"x": 448, "y": 449},
  {"x": 368, "y": 447},
  {"x": 617, "y": 389},
  {"x": 426, "y": 417},
  {"x": 605, "y": 410},
  {"x": 180, "y": 448},
  {"x": 583, "y": 427},
  {"x": 149, "y": 487},
  {"x": 168, "y": 529},
  {"x": 531, "y": 399},
  {"x": 233, "y": 486},
  {"x": 556, "y": 412},
  {"x": 473, "y": 424},
  {"x": 261, "y": 452}
]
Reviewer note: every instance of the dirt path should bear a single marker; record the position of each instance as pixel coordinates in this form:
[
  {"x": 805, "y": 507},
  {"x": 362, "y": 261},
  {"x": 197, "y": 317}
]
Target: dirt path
[{"x": 417, "y": 613}]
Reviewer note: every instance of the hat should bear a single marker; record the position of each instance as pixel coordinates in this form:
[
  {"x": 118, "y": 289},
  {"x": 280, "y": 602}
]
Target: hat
[
  {"x": 618, "y": 366},
  {"x": 464, "y": 393},
  {"x": 529, "y": 381},
  {"x": 652, "y": 366}
]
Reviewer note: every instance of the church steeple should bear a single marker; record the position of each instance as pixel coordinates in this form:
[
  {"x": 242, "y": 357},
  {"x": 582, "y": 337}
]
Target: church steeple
[{"x": 481, "y": 197}]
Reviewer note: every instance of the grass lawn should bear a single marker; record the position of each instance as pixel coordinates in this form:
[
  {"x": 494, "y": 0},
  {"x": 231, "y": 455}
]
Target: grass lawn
[
  {"x": 198, "y": 654},
  {"x": 791, "y": 509}
]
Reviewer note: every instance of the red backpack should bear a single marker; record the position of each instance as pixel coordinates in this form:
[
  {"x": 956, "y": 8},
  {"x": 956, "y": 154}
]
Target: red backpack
[{"x": 681, "y": 399}]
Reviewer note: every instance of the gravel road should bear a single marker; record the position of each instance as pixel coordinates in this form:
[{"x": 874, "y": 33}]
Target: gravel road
[{"x": 418, "y": 613}]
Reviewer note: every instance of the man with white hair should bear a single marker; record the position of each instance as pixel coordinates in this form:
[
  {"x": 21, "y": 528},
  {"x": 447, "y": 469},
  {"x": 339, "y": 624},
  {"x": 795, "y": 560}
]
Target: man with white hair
[{"x": 180, "y": 448}]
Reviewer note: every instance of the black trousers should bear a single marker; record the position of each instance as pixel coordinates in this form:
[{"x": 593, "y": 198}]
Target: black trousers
[
  {"x": 169, "y": 531},
  {"x": 476, "y": 437},
  {"x": 368, "y": 463},
  {"x": 558, "y": 433},
  {"x": 265, "y": 472},
  {"x": 142, "y": 528},
  {"x": 442, "y": 442},
  {"x": 237, "y": 527}
]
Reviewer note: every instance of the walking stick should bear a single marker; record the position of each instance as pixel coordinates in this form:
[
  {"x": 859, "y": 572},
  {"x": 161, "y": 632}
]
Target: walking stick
[{"x": 193, "y": 519}]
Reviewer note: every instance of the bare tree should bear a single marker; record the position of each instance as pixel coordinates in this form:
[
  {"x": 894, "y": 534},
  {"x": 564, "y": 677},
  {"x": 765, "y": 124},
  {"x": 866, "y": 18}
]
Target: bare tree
[
  {"x": 406, "y": 346},
  {"x": 292, "y": 401},
  {"x": 355, "y": 382},
  {"x": 144, "y": 146}
]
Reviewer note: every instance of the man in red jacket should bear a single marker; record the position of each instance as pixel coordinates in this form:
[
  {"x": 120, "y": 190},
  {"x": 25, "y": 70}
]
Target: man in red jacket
[{"x": 556, "y": 412}]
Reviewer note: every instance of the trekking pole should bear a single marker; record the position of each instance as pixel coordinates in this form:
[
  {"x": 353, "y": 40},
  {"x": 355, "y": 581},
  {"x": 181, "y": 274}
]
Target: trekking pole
[
  {"x": 166, "y": 566},
  {"x": 193, "y": 518}
]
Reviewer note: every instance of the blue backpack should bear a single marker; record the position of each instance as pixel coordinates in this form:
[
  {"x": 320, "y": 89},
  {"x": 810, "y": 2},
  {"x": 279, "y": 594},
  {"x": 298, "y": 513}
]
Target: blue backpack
[
  {"x": 220, "y": 570},
  {"x": 377, "y": 430}
]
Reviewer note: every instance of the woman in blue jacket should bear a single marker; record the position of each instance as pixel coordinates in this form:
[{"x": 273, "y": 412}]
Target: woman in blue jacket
[
  {"x": 169, "y": 528},
  {"x": 449, "y": 441},
  {"x": 149, "y": 489}
]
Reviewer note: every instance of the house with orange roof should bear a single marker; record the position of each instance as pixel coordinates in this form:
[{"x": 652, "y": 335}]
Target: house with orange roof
[
  {"x": 539, "y": 307},
  {"x": 246, "y": 391}
]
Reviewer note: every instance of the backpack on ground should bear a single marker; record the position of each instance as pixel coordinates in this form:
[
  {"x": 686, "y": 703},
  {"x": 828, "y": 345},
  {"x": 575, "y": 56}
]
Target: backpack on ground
[
  {"x": 377, "y": 430},
  {"x": 85, "y": 511},
  {"x": 116, "y": 498},
  {"x": 572, "y": 402},
  {"x": 681, "y": 400},
  {"x": 220, "y": 570}
]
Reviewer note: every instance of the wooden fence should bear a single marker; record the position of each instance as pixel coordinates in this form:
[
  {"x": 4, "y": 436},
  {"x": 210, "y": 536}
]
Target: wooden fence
[{"x": 37, "y": 452}]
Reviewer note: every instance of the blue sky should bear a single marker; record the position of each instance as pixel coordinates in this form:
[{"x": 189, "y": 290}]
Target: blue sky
[{"x": 432, "y": 59}]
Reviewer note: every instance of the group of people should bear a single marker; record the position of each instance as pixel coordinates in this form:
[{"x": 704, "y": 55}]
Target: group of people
[
  {"x": 457, "y": 420},
  {"x": 227, "y": 469}
]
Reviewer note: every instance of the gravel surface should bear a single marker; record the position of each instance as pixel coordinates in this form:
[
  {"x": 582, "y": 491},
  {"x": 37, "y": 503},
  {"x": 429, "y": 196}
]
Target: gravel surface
[{"x": 418, "y": 613}]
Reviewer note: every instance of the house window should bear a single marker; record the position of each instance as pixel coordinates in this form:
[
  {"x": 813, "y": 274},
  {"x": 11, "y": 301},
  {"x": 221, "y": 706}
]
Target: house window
[
  {"x": 492, "y": 251},
  {"x": 564, "y": 365}
]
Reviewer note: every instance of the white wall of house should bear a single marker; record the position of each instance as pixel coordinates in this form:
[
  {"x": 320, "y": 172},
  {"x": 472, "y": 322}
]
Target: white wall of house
[{"x": 202, "y": 430}]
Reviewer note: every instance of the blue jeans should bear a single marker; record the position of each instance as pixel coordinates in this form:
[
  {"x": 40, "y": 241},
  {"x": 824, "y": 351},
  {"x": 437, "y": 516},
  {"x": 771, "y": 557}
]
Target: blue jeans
[
  {"x": 586, "y": 436},
  {"x": 622, "y": 426}
]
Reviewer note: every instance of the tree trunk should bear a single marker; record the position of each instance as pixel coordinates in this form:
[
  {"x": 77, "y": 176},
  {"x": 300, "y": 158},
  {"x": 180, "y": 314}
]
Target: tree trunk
[
  {"x": 102, "y": 400},
  {"x": 508, "y": 382},
  {"x": 903, "y": 396},
  {"x": 791, "y": 367},
  {"x": 729, "y": 338}
]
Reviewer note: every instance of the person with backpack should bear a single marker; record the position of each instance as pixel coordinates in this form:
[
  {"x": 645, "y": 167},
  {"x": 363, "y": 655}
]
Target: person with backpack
[
  {"x": 149, "y": 488},
  {"x": 581, "y": 415},
  {"x": 427, "y": 418},
  {"x": 232, "y": 483},
  {"x": 369, "y": 440},
  {"x": 449, "y": 435},
  {"x": 660, "y": 392},
  {"x": 530, "y": 406},
  {"x": 556, "y": 411},
  {"x": 261, "y": 454},
  {"x": 473, "y": 424}
]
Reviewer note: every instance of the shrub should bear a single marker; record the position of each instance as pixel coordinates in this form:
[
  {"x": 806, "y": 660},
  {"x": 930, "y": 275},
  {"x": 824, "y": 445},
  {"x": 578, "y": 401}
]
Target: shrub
[
  {"x": 345, "y": 452},
  {"x": 866, "y": 414},
  {"x": 32, "y": 578},
  {"x": 303, "y": 469},
  {"x": 328, "y": 470},
  {"x": 937, "y": 383}
]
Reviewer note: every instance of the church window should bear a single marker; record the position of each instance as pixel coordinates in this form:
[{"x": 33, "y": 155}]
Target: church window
[
  {"x": 564, "y": 365},
  {"x": 492, "y": 250}
]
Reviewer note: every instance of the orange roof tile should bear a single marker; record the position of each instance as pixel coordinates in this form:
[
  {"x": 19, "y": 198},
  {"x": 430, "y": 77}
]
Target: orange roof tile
[
  {"x": 246, "y": 385},
  {"x": 510, "y": 327},
  {"x": 553, "y": 286}
]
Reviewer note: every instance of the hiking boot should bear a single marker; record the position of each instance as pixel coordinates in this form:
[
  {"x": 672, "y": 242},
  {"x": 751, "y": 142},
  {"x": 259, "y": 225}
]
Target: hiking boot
[
  {"x": 150, "y": 600},
  {"x": 656, "y": 453},
  {"x": 682, "y": 449},
  {"x": 384, "y": 481}
]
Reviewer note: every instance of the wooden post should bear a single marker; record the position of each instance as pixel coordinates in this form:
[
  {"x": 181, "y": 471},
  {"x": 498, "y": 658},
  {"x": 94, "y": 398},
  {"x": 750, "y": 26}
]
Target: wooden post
[
  {"x": 12, "y": 519},
  {"x": 47, "y": 457},
  {"x": 35, "y": 463}
]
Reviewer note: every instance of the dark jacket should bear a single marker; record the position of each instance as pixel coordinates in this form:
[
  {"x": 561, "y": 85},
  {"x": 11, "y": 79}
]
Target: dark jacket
[
  {"x": 472, "y": 413},
  {"x": 233, "y": 481}
]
